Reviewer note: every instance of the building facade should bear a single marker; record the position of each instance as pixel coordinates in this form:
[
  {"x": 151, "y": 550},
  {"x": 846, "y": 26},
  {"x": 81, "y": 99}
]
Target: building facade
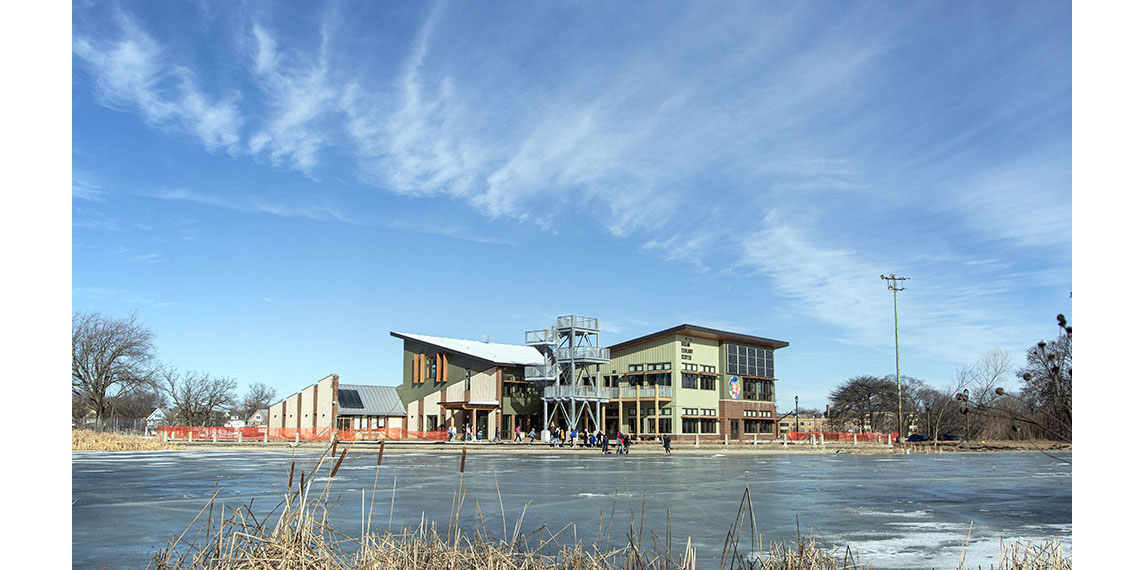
[
  {"x": 694, "y": 381},
  {"x": 328, "y": 404},
  {"x": 688, "y": 381},
  {"x": 450, "y": 382}
]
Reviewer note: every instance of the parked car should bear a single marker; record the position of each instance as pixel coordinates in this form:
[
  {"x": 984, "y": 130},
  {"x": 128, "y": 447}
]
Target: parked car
[
  {"x": 948, "y": 437},
  {"x": 917, "y": 437}
]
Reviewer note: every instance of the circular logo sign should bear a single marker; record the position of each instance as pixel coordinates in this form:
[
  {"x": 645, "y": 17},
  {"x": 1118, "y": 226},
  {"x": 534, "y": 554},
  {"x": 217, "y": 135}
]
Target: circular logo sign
[{"x": 733, "y": 387}]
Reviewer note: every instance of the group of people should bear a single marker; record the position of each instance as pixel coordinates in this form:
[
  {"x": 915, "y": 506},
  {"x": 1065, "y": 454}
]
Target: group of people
[
  {"x": 559, "y": 437},
  {"x": 467, "y": 435},
  {"x": 584, "y": 438}
]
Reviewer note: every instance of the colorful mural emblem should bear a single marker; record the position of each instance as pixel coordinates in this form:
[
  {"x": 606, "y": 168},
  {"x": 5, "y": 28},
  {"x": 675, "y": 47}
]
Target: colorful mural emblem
[{"x": 733, "y": 387}]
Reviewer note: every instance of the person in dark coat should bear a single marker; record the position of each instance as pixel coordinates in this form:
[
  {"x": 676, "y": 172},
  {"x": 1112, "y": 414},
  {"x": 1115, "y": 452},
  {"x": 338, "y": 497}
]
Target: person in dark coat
[{"x": 667, "y": 445}]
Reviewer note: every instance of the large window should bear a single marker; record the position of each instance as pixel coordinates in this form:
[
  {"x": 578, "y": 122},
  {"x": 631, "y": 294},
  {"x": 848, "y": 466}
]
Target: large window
[
  {"x": 758, "y": 389},
  {"x": 697, "y": 425},
  {"x": 750, "y": 361},
  {"x": 697, "y": 381}
]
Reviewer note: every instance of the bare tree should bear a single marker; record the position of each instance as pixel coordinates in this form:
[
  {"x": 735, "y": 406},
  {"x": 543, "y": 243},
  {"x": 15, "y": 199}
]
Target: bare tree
[
  {"x": 197, "y": 398},
  {"x": 110, "y": 358},
  {"x": 1047, "y": 378},
  {"x": 138, "y": 403},
  {"x": 982, "y": 379},
  {"x": 866, "y": 401},
  {"x": 259, "y": 396}
]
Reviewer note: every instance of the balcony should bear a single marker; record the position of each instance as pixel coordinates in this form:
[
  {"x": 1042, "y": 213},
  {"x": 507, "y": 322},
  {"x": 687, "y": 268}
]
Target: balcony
[
  {"x": 578, "y": 392},
  {"x": 644, "y": 392},
  {"x": 544, "y": 373},
  {"x": 582, "y": 323},
  {"x": 591, "y": 354},
  {"x": 540, "y": 337}
]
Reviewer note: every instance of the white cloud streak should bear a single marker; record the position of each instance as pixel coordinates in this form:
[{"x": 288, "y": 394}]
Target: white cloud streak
[{"x": 133, "y": 71}]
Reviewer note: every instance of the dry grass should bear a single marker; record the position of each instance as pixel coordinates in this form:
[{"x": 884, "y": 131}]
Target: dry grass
[
  {"x": 1048, "y": 555},
  {"x": 87, "y": 440},
  {"x": 301, "y": 536}
]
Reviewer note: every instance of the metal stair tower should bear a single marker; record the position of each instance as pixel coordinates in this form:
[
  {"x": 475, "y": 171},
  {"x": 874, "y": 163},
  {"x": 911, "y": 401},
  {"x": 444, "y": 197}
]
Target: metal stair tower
[{"x": 571, "y": 390}]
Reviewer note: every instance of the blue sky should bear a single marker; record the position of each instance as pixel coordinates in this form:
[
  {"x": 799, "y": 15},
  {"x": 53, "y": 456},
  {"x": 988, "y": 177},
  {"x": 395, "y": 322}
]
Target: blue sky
[{"x": 274, "y": 187}]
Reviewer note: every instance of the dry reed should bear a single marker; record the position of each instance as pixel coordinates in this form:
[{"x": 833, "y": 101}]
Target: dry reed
[{"x": 87, "y": 440}]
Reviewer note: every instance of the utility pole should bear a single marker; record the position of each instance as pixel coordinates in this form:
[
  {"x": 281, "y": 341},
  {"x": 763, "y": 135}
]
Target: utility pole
[{"x": 892, "y": 283}]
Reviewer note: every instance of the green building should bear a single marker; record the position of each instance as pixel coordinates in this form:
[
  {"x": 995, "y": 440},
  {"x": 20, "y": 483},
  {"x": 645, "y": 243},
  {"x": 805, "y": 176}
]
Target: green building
[{"x": 688, "y": 381}]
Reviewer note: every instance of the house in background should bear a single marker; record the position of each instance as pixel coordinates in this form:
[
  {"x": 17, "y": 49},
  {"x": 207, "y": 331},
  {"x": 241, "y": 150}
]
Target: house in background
[
  {"x": 235, "y": 419},
  {"x": 159, "y": 417},
  {"x": 258, "y": 418}
]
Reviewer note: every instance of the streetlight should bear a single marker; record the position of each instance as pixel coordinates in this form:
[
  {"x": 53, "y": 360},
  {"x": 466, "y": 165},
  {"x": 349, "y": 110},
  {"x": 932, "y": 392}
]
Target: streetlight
[{"x": 892, "y": 284}]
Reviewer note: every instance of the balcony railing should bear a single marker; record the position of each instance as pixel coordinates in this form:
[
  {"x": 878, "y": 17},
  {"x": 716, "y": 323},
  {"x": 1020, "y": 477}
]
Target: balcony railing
[
  {"x": 540, "y": 337},
  {"x": 579, "y": 392},
  {"x": 593, "y": 354},
  {"x": 644, "y": 392},
  {"x": 539, "y": 373},
  {"x": 582, "y": 323}
]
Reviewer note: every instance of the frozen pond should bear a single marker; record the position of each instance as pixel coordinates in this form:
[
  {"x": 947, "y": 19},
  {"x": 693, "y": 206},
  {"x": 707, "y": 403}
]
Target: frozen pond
[{"x": 894, "y": 511}]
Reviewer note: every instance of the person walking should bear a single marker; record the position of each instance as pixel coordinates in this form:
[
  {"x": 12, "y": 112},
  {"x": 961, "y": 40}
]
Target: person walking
[
  {"x": 604, "y": 443},
  {"x": 531, "y": 435},
  {"x": 468, "y": 432},
  {"x": 667, "y": 445},
  {"x": 518, "y": 436}
]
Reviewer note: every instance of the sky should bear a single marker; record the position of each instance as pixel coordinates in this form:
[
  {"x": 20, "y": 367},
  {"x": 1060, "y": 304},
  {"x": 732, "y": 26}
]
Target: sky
[{"x": 274, "y": 187}]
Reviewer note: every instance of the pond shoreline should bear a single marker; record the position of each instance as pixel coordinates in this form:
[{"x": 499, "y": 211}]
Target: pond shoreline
[{"x": 123, "y": 443}]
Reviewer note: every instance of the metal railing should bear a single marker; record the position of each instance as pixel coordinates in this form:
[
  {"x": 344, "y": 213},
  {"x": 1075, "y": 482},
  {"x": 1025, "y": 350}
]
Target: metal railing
[
  {"x": 538, "y": 373},
  {"x": 579, "y": 392},
  {"x": 650, "y": 392},
  {"x": 544, "y": 336},
  {"x": 582, "y": 323},
  {"x": 583, "y": 353}
]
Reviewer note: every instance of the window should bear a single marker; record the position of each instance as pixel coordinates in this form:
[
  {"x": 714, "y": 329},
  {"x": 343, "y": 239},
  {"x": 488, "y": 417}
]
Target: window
[
  {"x": 750, "y": 361},
  {"x": 689, "y": 381},
  {"x": 707, "y": 382},
  {"x": 705, "y": 368},
  {"x": 696, "y": 425},
  {"x": 635, "y": 368},
  {"x": 690, "y": 367}
]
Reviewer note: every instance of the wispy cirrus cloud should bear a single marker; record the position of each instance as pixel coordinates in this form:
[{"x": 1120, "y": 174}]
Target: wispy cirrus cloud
[
  {"x": 299, "y": 98},
  {"x": 132, "y": 70},
  {"x": 125, "y": 298}
]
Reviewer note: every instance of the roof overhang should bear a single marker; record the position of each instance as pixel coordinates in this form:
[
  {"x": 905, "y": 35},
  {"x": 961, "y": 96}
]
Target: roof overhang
[
  {"x": 703, "y": 332},
  {"x": 470, "y": 405}
]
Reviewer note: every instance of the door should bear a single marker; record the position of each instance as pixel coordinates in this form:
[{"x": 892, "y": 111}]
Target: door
[{"x": 734, "y": 429}]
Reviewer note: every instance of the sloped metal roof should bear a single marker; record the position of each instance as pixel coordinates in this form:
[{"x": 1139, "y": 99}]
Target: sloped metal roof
[
  {"x": 376, "y": 401},
  {"x": 495, "y": 352}
]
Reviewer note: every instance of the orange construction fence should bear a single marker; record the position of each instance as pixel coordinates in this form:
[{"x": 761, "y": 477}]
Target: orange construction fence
[
  {"x": 845, "y": 437},
  {"x": 215, "y": 433}
]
